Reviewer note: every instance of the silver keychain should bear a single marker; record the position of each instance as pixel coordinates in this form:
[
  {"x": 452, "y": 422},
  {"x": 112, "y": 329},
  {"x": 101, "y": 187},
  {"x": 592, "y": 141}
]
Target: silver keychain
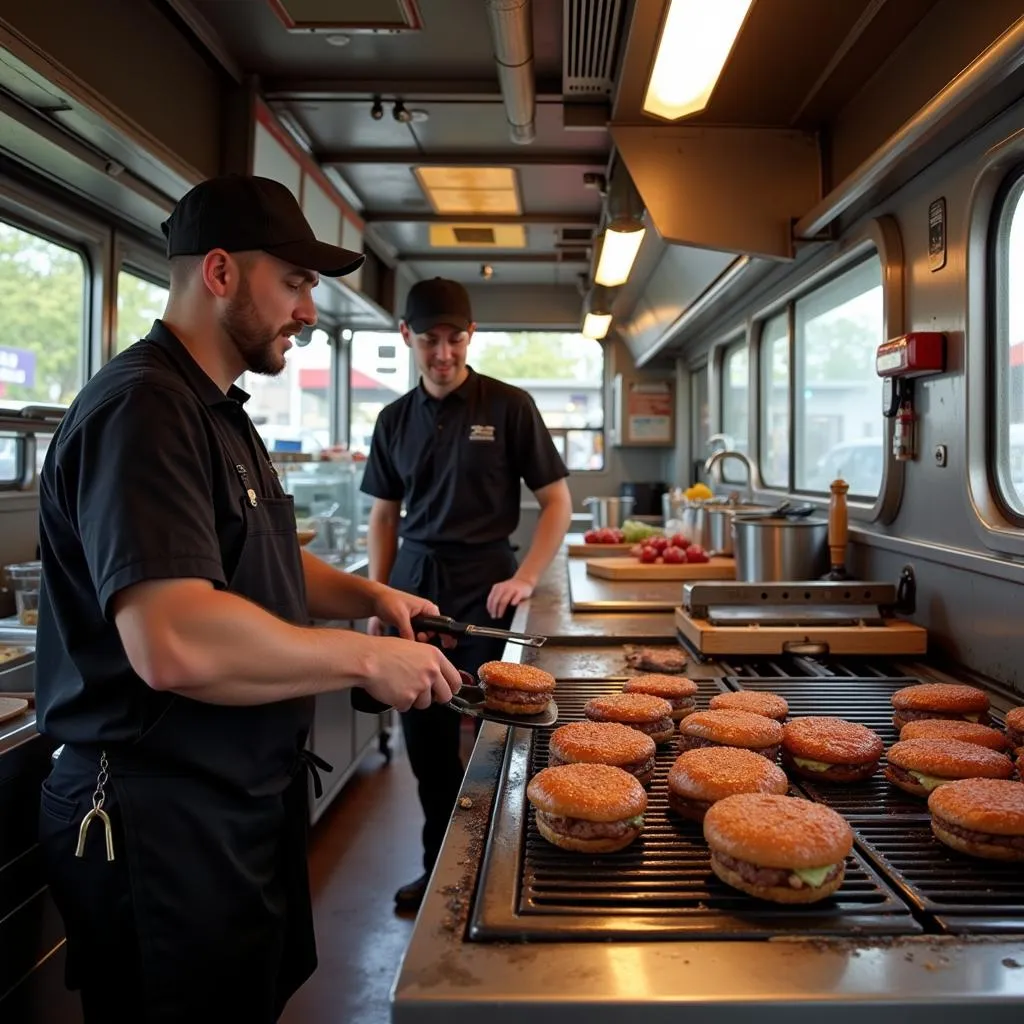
[{"x": 98, "y": 798}]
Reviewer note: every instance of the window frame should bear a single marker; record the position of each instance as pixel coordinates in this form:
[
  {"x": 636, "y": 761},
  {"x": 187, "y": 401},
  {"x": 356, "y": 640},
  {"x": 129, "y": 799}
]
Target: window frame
[
  {"x": 718, "y": 356},
  {"x": 879, "y": 236},
  {"x": 140, "y": 260},
  {"x": 999, "y": 527}
]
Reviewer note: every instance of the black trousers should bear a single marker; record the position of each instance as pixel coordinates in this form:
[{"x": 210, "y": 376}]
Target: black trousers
[{"x": 459, "y": 584}]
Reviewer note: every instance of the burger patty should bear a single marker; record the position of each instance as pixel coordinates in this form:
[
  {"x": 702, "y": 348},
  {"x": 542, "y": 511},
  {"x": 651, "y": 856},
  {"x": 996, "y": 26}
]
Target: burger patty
[
  {"x": 693, "y": 742},
  {"x": 774, "y": 878},
  {"x": 635, "y": 768},
  {"x": 651, "y": 659},
  {"x": 904, "y": 775},
  {"x": 986, "y": 838},
  {"x": 948, "y": 716},
  {"x": 683, "y": 703},
  {"x": 650, "y": 728},
  {"x": 580, "y": 829},
  {"x": 517, "y": 696},
  {"x": 1015, "y": 736},
  {"x": 688, "y": 803},
  {"x": 835, "y": 767}
]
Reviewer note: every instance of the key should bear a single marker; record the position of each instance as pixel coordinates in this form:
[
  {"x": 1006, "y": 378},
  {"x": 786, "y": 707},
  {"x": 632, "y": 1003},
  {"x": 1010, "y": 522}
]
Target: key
[{"x": 96, "y": 812}]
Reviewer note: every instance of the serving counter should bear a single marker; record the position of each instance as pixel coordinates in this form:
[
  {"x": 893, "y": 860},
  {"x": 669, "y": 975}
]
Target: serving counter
[{"x": 513, "y": 929}]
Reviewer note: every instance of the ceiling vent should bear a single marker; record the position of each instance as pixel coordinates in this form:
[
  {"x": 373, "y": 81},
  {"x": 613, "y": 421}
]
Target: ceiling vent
[
  {"x": 477, "y": 236},
  {"x": 474, "y": 236},
  {"x": 576, "y": 234},
  {"x": 348, "y": 16},
  {"x": 591, "y": 30}
]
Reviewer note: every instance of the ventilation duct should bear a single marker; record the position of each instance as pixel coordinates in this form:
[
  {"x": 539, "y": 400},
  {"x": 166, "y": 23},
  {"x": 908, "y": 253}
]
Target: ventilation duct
[
  {"x": 512, "y": 36},
  {"x": 590, "y": 40}
]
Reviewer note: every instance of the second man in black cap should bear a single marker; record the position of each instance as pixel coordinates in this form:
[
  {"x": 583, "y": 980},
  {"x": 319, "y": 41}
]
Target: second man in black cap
[{"x": 454, "y": 451}]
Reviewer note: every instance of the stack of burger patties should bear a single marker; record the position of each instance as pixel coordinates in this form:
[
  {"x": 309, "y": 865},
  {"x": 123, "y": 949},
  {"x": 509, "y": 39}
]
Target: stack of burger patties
[{"x": 950, "y": 755}]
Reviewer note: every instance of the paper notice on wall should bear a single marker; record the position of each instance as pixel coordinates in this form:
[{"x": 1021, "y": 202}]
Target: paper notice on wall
[{"x": 649, "y": 412}]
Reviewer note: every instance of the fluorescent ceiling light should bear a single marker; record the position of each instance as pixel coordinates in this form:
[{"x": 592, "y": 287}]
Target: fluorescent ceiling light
[
  {"x": 618, "y": 251},
  {"x": 695, "y": 44},
  {"x": 595, "y": 325},
  {"x": 470, "y": 190}
]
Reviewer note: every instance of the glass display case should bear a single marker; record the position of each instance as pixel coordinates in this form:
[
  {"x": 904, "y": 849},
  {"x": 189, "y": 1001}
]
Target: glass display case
[{"x": 329, "y": 502}]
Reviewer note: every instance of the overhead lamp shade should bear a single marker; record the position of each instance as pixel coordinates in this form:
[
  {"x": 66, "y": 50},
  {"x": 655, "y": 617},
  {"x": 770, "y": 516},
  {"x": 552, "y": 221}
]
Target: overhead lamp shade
[
  {"x": 595, "y": 325},
  {"x": 619, "y": 248}
]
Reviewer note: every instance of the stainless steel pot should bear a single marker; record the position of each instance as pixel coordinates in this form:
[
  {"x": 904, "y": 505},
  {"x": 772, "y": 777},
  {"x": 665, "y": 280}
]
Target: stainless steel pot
[
  {"x": 719, "y": 526},
  {"x": 774, "y": 549},
  {"x": 609, "y": 512}
]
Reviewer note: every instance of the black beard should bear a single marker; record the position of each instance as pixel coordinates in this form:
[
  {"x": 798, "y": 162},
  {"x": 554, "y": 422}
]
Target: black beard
[{"x": 253, "y": 339}]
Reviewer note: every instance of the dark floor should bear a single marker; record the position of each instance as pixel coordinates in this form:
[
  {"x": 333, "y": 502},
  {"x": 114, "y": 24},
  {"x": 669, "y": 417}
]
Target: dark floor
[{"x": 365, "y": 846}]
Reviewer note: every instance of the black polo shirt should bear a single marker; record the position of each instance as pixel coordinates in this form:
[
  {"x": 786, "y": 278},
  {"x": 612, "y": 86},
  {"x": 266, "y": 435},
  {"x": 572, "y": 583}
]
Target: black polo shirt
[
  {"x": 141, "y": 482},
  {"x": 457, "y": 462}
]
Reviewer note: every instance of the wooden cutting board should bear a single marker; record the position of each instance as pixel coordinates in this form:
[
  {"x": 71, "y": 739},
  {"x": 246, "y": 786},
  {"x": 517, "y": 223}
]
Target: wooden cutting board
[
  {"x": 598, "y": 550},
  {"x": 12, "y": 707},
  {"x": 631, "y": 569}
]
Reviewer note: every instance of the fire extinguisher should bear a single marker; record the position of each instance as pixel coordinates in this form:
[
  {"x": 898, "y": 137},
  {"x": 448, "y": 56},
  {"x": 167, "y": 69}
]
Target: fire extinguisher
[{"x": 903, "y": 431}]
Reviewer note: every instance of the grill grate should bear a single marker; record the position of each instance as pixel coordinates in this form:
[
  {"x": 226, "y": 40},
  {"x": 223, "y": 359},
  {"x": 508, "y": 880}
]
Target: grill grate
[
  {"x": 965, "y": 894},
  {"x": 659, "y": 887}
]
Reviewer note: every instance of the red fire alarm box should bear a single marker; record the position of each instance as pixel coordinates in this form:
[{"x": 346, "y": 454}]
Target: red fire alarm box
[{"x": 912, "y": 355}]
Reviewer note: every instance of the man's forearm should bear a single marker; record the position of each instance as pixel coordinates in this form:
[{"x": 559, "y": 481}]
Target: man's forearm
[
  {"x": 333, "y": 594},
  {"x": 552, "y": 526},
  {"x": 382, "y": 546},
  {"x": 220, "y": 648}
]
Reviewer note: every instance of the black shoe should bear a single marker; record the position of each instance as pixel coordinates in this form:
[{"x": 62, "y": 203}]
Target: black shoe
[{"x": 410, "y": 896}]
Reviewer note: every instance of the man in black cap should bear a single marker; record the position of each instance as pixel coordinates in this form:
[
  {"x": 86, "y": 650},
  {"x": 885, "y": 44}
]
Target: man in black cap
[
  {"x": 454, "y": 450},
  {"x": 175, "y": 659}
]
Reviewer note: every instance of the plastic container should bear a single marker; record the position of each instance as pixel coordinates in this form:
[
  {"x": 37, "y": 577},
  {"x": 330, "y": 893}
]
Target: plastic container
[{"x": 24, "y": 579}]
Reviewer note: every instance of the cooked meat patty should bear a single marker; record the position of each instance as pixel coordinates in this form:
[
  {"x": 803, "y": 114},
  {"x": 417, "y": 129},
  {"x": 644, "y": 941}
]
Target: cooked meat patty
[
  {"x": 905, "y": 716},
  {"x": 769, "y": 877},
  {"x": 656, "y": 659},
  {"x": 518, "y": 696},
  {"x": 636, "y": 768},
  {"x": 586, "y": 829},
  {"x": 987, "y": 838},
  {"x": 692, "y": 742},
  {"x": 653, "y": 728}
]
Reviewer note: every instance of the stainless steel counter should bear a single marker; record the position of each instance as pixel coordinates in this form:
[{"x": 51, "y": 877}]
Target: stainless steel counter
[
  {"x": 551, "y": 616},
  {"x": 891, "y": 980}
]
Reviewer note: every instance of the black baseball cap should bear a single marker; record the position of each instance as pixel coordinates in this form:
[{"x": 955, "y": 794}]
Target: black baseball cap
[
  {"x": 238, "y": 212},
  {"x": 437, "y": 301}
]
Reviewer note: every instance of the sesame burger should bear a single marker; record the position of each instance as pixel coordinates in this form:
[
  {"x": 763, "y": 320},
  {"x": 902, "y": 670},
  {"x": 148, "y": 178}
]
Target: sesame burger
[
  {"x": 945, "y": 729},
  {"x": 768, "y": 705},
  {"x": 515, "y": 689},
  {"x": 701, "y": 777},
  {"x": 604, "y": 743},
  {"x": 650, "y": 715},
  {"x": 731, "y": 729},
  {"x": 980, "y": 817},
  {"x": 830, "y": 749},
  {"x": 591, "y": 808},
  {"x": 679, "y": 691},
  {"x": 1015, "y": 727},
  {"x": 919, "y": 766},
  {"x": 779, "y": 848},
  {"x": 939, "y": 700}
]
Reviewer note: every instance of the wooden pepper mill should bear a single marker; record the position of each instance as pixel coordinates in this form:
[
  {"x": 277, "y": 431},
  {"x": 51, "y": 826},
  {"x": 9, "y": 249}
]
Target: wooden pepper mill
[{"x": 838, "y": 531}]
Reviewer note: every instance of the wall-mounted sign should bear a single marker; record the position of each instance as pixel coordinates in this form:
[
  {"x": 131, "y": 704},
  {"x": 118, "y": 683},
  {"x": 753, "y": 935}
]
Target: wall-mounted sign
[
  {"x": 649, "y": 413},
  {"x": 17, "y": 366},
  {"x": 937, "y": 234}
]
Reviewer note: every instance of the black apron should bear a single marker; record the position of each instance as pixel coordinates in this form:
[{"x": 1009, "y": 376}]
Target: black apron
[
  {"x": 207, "y": 900},
  {"x": 458, "y": 579}
]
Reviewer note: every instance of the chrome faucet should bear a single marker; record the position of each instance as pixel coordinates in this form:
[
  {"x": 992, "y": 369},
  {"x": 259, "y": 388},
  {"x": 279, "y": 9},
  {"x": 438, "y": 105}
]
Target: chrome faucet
[{"x": 713, "y": 468}]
